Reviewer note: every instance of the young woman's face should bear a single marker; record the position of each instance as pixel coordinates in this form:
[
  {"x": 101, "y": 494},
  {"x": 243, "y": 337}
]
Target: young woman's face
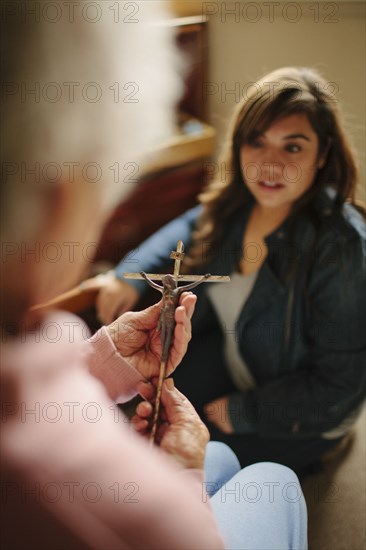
[{"x": 280, "y": 165}]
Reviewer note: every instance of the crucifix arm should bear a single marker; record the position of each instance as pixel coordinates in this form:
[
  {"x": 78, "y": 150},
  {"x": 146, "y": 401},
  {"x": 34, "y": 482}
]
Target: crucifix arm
[
  {"x": 151, "y": 283},
  {"x": 194, "y": 284}
]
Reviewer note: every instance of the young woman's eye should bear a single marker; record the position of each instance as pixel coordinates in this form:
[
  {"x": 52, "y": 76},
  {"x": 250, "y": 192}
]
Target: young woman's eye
[{"x": 293, "y": 148}]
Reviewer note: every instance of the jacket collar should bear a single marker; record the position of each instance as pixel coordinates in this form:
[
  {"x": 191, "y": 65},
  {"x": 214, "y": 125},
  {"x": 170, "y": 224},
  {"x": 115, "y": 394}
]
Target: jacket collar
[{"x": 285, "y": 249}]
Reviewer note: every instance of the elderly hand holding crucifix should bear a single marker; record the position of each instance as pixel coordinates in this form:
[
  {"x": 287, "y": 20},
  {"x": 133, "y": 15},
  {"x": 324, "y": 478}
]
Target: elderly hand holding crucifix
[
  {"x": 171, "y": 293},
  {"x": 137, "y": 340}
]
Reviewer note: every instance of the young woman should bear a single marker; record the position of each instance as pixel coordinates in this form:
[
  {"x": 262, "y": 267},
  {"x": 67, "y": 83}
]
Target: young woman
[{"x": 276, "y": 365}]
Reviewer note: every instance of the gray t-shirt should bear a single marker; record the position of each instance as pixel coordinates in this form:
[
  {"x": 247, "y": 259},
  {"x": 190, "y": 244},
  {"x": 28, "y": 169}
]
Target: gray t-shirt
[{"x": 228, "y": 302}]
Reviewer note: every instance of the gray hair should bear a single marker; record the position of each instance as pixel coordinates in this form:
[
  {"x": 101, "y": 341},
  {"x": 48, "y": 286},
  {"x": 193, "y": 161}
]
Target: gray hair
[{"x": 86, "y": 93}]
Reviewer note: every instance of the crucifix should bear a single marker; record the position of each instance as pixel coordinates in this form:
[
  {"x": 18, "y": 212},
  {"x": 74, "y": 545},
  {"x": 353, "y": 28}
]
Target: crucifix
[{"x": 171, "y": 294}]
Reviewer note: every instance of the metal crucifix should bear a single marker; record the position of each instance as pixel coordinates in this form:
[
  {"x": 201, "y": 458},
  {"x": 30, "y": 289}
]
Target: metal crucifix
[{"x": 171, "y": 294}]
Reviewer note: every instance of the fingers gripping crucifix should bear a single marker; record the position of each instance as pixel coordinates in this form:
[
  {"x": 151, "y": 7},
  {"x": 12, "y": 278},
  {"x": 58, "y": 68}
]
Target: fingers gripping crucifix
[{"x": 171, "y": 294}]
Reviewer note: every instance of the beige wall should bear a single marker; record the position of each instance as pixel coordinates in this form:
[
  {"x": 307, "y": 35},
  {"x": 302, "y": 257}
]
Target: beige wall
[{"x": 240, "y": 51}]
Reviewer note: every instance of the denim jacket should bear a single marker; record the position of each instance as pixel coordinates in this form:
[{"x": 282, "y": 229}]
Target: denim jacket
[{"x": 302, "y": 331}]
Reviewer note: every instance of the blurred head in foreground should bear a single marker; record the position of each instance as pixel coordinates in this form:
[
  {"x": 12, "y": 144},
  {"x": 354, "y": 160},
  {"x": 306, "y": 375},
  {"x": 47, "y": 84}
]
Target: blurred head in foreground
[{"x": 85, "y": 91}]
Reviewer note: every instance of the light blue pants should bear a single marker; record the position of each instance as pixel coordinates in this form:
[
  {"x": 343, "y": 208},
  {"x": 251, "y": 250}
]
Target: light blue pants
[{"x": 260, "y": 507}]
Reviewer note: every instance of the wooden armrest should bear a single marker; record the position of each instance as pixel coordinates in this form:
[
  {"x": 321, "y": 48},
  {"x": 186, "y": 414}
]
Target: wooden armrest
[{"x": 75, "y": 300}]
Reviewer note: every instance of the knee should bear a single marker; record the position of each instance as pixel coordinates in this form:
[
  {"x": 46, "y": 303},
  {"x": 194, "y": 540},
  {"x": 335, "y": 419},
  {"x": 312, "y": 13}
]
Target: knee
[
  {"x": 221, "y": 465},
  {"x": 267, "y": 501},
  {"x": 220, "y": 453},
  {"x": 265, "y": 470},
  {"x": 273, "y": 482},
  {"x": 281, "y": 488},
  {"x": 279, "y": 475}
]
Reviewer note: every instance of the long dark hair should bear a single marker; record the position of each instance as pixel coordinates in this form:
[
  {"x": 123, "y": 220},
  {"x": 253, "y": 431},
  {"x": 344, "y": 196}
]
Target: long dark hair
[{"x": 279, "y": 94}]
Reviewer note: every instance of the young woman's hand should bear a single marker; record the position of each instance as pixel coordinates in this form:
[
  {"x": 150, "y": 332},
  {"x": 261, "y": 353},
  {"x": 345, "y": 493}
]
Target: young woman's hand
[
  {"x": 136, "y": 338},
  {"x": 115, "y": 298},
  {"x": 181, "y": 434},
  {"x": 218, "y": 414}
]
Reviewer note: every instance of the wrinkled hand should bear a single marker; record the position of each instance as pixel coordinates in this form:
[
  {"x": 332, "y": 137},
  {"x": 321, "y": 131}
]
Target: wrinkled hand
[
  {"x": 181, "y": 434},
  {"x": 115, "y": 297},
  {"x": 136, "y": 338},
  {"x": 218, "y": 414}
]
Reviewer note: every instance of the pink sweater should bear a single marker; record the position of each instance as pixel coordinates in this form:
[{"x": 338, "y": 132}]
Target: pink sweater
[{"x": 76, "y": 475}]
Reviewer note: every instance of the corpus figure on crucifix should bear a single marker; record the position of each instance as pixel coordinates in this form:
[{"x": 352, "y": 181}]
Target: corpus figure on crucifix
[{"x": 171, "y": 293}]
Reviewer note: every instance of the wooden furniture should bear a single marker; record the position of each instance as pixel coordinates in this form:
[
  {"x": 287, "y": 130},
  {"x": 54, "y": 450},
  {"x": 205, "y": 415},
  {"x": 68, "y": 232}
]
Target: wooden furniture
[{"x": 173, "y": 177}]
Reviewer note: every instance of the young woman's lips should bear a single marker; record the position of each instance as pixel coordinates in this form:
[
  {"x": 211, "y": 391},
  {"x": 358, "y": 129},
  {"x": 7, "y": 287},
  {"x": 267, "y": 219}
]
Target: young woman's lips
[{"x": 270, "y": 185}]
